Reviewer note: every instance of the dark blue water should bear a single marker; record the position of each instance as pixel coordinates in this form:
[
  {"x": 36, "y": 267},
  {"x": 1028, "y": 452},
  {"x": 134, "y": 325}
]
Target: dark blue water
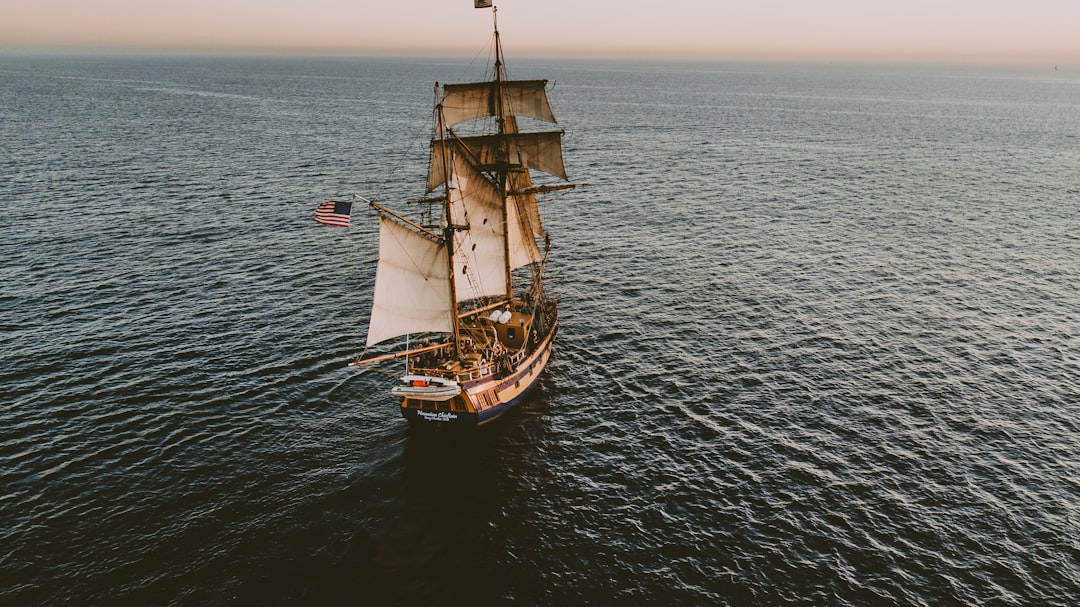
[{"x": 820, "y": 342}]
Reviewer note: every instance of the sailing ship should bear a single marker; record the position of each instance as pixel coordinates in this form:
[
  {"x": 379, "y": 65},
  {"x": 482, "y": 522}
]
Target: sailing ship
[{"x": 466, "y": 287}]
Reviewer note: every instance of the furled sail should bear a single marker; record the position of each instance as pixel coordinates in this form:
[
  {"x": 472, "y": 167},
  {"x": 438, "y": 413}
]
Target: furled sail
[
  {"x": 412, "y": 289},
  {"x": 528, "y": 98}
]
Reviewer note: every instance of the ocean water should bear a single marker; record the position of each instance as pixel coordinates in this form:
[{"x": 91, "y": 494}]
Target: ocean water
[{"x": 820, "y": 341}]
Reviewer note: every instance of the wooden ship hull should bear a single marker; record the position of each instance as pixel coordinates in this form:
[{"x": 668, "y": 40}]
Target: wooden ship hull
[
  {"x": 496, "y": 366},
  {"x": 485, "y": 399}
]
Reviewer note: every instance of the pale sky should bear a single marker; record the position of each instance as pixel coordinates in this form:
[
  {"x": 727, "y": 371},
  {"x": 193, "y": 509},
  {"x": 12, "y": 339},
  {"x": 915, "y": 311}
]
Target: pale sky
[{"x": 1012, "y": 30}]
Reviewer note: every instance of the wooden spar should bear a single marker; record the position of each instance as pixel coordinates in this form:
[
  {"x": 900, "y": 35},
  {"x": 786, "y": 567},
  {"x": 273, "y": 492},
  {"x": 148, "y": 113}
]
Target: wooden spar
[
  {"x": 427, "y": 200},
  {"x": 399, "y": 354},
  {"x": 426, "y": 231},
  {"x": 540, "y": 189},
  {"x": 497, "y": 304}
]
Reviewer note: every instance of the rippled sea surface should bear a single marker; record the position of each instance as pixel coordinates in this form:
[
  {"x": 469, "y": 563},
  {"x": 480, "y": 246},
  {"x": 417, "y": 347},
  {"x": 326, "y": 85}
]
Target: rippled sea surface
[{"x": 820, "y": 342}]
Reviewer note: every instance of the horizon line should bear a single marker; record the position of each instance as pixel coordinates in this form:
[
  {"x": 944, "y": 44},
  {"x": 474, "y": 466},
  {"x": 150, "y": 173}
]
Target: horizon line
[{"x": 853, "y": 56}]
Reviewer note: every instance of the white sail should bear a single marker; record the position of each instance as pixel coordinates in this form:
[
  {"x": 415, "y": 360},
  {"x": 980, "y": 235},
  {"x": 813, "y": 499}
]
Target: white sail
[
  {"x": 439, "y": 164},
  {"x": 540, "y": 151},
  {"x": 522, "y": 222},
  {"x": 480, "y": 250},
  {"x": 462, "y": 102},
  {"x": 412, "y": 289}
]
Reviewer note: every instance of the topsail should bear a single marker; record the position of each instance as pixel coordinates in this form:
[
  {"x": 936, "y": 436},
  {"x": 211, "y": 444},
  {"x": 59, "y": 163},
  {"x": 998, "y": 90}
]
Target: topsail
[{"x": 523, "y": 98}]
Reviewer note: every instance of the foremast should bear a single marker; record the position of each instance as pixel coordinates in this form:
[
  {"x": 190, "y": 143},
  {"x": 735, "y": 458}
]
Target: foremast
[{"x": 448, "y": 231}]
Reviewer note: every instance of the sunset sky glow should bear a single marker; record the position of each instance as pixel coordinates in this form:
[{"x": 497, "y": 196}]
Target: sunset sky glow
[{"x": 1032, "y": 30}]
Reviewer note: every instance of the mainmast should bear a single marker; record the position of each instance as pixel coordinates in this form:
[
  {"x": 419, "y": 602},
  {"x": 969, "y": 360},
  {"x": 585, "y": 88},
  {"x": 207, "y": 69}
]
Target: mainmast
[{"x": 503, "y": 154}]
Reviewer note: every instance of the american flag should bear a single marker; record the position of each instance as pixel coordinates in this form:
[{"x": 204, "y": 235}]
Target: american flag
[{"x": 334, "y": 213}]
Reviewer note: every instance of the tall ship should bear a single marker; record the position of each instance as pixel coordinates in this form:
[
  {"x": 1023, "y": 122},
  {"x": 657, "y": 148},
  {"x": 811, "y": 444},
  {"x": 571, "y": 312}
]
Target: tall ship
[{"x": 463, "y": 280}]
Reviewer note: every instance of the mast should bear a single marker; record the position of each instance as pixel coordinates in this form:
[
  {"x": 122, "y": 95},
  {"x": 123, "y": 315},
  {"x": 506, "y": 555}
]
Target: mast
[
  {"x": 448, "y": 229},
  {"x": 503, "y": 159},
  {"x": 498, "y": 49}
]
